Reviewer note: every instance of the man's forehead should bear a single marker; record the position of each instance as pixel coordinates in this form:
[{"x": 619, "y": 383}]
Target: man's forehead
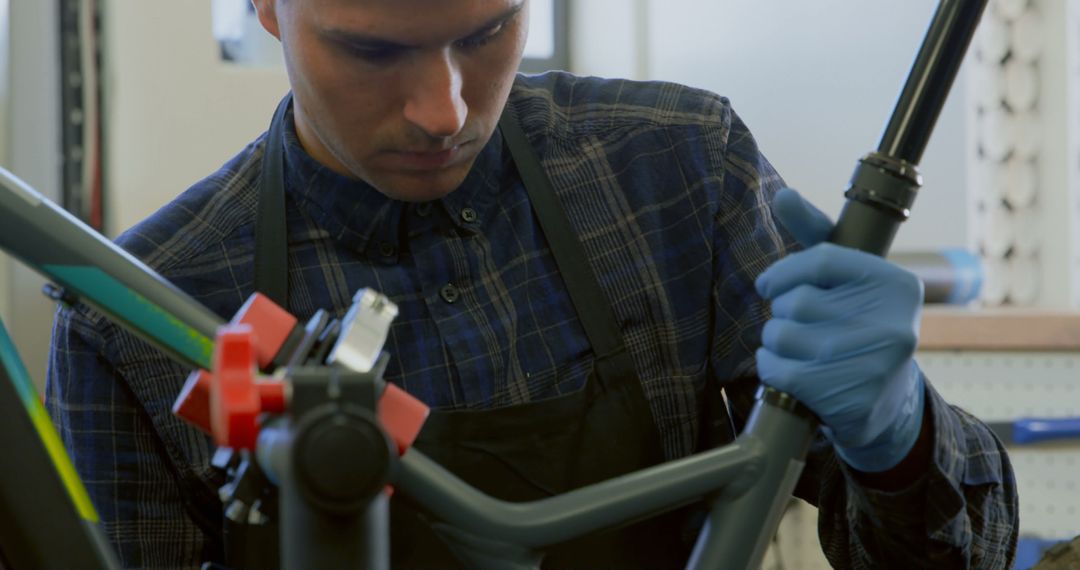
[{"x": 408, "y": 21}]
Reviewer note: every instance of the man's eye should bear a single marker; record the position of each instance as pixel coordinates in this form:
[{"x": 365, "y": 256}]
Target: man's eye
[
  {"x": 479, "y": 40},
  {"x": 373, "y": 55}
]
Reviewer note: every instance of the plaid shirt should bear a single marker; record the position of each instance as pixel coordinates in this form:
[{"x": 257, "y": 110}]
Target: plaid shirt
[{"x": 669, "y": 195}]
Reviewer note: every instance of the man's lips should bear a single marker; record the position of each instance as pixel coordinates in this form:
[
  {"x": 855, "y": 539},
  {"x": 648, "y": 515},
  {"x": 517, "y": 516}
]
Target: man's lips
[{"x": 426, "y": 160}]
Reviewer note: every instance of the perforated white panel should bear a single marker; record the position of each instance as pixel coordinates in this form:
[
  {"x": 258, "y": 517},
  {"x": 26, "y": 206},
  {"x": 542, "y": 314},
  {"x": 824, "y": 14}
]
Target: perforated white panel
[
  {"x": 995, "y": 387},
  {"x": 1006, "y": 111},
  {"x": 1007, "y": 386}
]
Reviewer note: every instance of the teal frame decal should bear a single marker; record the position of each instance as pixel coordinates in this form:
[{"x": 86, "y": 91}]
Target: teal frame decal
[{"x": 140, "y": 312}]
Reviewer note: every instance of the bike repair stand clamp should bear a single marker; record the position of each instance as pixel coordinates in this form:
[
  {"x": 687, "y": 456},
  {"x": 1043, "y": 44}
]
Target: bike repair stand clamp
[{"x": 327, "y": 435}]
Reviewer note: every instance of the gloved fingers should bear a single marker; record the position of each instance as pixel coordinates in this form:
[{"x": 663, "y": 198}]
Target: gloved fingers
[
  {"x": 812, "y": 304},
  {"x": 826, "y": 388},
  {"x": 830, "y": 341},
  {"x": 801, "y": 303},
  {"x": 779, "y": 372},
  {"x": 807, "y": 224},
  {"x": 825, "y": 266},
  {"x": 855, "y": 304},
  {"x": 817, "y": 384}
]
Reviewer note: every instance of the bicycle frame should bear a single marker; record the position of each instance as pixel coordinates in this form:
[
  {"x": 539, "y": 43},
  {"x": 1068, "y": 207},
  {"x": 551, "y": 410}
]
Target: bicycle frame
[{"x": 746, "y": 483}]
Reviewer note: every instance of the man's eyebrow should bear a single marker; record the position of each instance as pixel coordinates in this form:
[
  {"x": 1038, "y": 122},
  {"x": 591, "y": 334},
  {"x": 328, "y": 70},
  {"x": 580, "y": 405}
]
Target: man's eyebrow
[{"x": 367, "y": 41}]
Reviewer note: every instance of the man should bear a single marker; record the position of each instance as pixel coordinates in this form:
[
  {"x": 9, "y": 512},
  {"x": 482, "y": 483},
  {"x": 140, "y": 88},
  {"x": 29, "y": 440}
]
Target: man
[{"x": 396, "y": 177}]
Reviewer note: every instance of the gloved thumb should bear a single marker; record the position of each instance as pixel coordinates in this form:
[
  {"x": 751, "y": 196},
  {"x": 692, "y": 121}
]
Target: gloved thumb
[{"x": 807, "y": 224}]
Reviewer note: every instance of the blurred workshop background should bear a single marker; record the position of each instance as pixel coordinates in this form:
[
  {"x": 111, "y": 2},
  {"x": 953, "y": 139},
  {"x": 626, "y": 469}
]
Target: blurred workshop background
[{"x": 102, "y": 108}]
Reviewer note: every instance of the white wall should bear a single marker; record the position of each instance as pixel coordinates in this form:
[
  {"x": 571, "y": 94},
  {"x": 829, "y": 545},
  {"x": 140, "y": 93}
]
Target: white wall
[
  {"x": 5, "y": 100},
  {"x": 33, "y": 142},
  {"x": 608, "y": 38},
  {"x": 175, "y": 113},
  {"x": 815, "y": 81}
]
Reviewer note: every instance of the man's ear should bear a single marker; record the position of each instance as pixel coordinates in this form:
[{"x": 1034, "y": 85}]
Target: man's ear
[{"x": 267, "y": 11}]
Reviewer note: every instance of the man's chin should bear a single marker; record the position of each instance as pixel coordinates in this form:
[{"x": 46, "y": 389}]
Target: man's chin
[{"x": 422, "y": 186}]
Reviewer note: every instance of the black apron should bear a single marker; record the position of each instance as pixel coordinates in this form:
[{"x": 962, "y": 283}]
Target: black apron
[{"x": 534, "y": 450}]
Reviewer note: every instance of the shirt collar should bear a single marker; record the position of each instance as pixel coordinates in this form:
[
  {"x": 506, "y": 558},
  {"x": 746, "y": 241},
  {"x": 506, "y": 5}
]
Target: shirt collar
[{"x": 365, "y": 220}]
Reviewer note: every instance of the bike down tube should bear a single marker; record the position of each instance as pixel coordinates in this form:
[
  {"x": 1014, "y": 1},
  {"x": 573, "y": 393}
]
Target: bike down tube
[
  {"x": 880, "y": 197},
  {"x": 576, "y": 513},
  {"x": 97, "y": 272}
]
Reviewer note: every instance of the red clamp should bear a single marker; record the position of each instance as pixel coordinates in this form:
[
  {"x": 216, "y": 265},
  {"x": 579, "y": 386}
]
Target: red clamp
[
  {"x": 238, "y": 397},
  {"x": 272, "y": 326},
  {"x": 401, "y": 416}
]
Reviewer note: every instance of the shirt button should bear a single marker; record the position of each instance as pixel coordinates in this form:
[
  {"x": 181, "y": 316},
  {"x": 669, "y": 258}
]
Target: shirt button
[
  {"x": 387, "y": 249},
  {"x": 468, "y": 215},
  {"x": 449, "y": 293},
  {"x": 423, "y": 209}
]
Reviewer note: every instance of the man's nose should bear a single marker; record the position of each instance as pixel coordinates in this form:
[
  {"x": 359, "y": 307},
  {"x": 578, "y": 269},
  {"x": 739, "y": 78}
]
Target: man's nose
[{"x": 435, "y": 104}]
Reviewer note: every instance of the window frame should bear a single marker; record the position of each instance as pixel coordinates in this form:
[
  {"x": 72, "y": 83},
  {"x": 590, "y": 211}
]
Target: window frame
[{"x": 560, "y": 60}]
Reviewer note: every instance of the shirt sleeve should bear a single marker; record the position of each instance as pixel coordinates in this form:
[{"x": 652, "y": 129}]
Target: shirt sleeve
[
  {"x": 961, "y": 514},
  {"x": 144, "y": 509}
]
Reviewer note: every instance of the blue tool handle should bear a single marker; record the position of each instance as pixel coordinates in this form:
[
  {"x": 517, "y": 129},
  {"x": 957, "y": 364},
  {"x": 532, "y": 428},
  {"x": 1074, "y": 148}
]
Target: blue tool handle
[
  {"x": 1030, "y": 430},
  {"x": 1029, "y": 550}
]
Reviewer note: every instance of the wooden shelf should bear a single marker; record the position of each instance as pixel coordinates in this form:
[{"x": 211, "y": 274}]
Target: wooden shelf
[{"x": 1000, "y": 329}]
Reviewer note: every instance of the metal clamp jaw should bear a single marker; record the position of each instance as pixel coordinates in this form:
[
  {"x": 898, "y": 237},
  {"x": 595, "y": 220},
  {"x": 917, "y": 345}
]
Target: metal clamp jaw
[{"x": 364, "y": 331}]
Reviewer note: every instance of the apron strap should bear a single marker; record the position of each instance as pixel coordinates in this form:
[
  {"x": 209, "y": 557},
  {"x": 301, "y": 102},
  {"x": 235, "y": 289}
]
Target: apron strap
[
  {"x": 271, "y": 236},
  {"x": 592, "y": 306}
]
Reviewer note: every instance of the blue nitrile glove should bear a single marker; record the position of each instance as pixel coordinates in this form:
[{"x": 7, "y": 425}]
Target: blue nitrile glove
[{"x": 844, "y": 328}]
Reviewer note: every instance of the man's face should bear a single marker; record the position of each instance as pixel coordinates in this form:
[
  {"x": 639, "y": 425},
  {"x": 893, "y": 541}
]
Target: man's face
[{"x": 402, "y": 94}]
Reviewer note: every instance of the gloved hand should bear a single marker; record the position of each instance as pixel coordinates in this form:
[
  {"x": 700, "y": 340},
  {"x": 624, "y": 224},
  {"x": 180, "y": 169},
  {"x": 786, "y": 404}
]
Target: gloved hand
[{"x": 844, "y": 328}]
